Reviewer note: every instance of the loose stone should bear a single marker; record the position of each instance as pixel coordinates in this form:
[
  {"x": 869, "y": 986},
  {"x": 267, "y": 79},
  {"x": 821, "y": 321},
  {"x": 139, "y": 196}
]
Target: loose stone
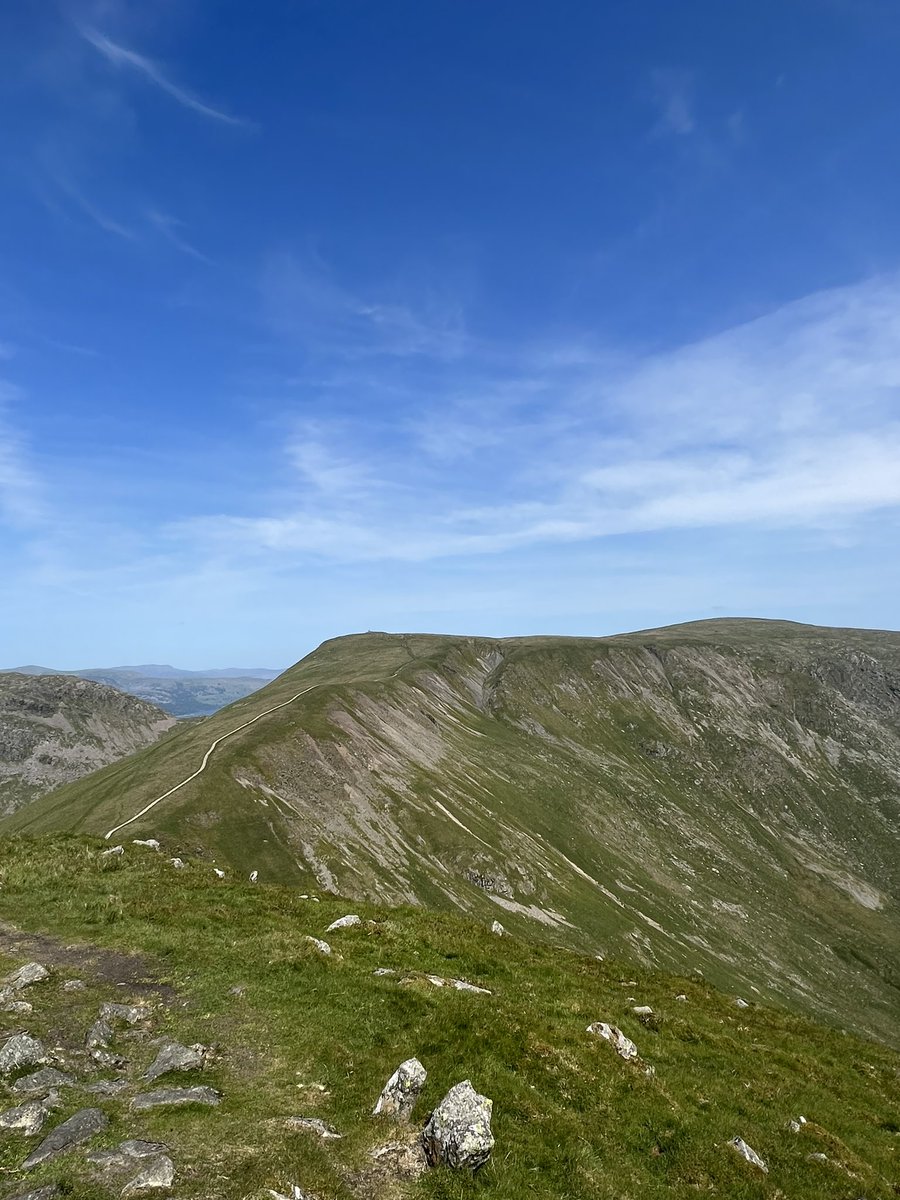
[
  {"x": 173, "y": 1056},
  {"x": 175, "y": 1096},
  {"x": 748, "y": 1153},
  {"x": 314, "y": 1125},
  {"x": 79, "y": 1128},
  {"x": 344, "y": 922},
  {"x": 32, "y": 972},
  {"x": 158, "y": 1173},
  {"x": 26, "y": 1119},
  {"x": 127, "y": 1013},
  {"x": 126, "y": 1153},
  {"x": 321, "y": 946},
  {"x": 43, "y": 1081},
  {"x": 624, "y": 1046},
  {"x": 21, "y": 1051}
]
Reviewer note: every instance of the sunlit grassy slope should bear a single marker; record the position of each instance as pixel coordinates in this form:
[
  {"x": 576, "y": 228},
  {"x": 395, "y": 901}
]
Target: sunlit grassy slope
[
  {"x": 721, "y": 797},
  {"x": 572, "y": 1120}
]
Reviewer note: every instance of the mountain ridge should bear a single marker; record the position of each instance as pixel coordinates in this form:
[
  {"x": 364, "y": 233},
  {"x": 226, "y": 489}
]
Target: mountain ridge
[{"x": 719, "y": 796}]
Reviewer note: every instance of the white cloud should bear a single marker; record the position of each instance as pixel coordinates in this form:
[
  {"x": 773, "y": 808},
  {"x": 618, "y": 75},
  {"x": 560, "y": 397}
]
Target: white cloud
[
  {"x": 791, "y": 421},
  {"x": 323, "y": 470},
  {"x": 120, "y": 56}
]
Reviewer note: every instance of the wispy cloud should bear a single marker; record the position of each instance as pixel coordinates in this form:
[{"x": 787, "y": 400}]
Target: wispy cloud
[
  {"x": 21, "y": 502},
  {"x": 673, "y": 96},
  {"x": 76, "y": 198},
  {"x": 788, "y": 422},
  {"x": 121, "y": 57},
  {"x": 327, "y": 473},
  {"x": 304, "y": 302},
  {"x": 168, "y": 227}
]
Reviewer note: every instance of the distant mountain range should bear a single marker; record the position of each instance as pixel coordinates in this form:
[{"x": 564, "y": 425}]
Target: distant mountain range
[{"x": 181, "y": 693}]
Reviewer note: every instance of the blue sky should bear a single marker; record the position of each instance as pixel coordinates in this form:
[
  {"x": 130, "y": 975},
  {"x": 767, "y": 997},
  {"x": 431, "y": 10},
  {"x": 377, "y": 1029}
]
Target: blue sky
[{"x": 476, "y": 316}]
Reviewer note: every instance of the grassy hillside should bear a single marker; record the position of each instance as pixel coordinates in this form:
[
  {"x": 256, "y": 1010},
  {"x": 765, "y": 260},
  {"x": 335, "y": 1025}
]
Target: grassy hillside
[
  {"x": 721, "y": 798},
  {"x": 55, "y": 729},
  {"x": 300, "y": 1034}
]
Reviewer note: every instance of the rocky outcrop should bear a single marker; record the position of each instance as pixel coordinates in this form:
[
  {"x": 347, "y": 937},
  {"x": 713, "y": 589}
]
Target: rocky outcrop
[
  {"x": 400, "y": 1093},
  {"x": 458, "y": 1133},
  {"x": 57, "y": 728}
]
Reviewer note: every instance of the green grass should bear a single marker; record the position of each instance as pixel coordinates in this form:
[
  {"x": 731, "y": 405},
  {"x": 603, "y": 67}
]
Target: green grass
[{"x": 571, "y": 1119}]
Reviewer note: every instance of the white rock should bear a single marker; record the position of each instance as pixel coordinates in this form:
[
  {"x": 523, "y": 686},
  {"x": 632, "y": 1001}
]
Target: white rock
[
  {"x": 497, "y": 928},
  {"x": 681, "y": 996},
  {"x": 344, "y": 922},
  {"x": 462, "y": 985},
  {"x": 796, "y": 1126},
  {"x": 314, "y": 1125},
  {"x": 177, "y": 863},
  {"x": 113, "y": 850},
  {"x": 642, "y": 1010},
  {"x": 384, "y": 971},
  {"x": 321, "y": 946},
  {"x": 748, "y": 1153},
  {"x": 254, "y": 875},
  {"x": 624, "y": 1046},
  {"x": 151, "y": 842},
  {"x": 220, "y": 874},
  {"x": 740, "y": 1003},
  {"x": 400, "y": 1093}
]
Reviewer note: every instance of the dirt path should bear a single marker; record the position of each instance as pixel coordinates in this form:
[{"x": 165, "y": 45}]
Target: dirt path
[{"x": 129, "y": 971}]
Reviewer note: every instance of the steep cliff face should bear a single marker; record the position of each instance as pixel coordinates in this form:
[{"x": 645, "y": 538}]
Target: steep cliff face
[
  {"x": 56, "y": 728},
  {"x": 721, "y": 797}
]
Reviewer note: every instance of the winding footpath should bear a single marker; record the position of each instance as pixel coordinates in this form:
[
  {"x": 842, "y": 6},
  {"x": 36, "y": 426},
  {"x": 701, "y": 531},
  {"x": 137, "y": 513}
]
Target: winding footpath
[{"x": 206, "y": 757}]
